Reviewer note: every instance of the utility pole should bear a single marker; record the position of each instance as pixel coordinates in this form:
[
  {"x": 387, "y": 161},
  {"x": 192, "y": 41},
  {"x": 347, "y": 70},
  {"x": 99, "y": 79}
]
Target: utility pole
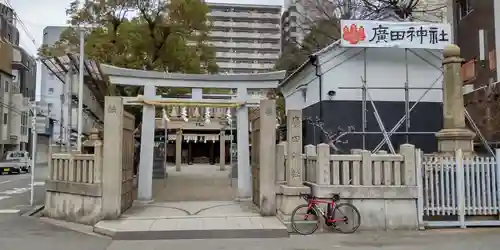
[
  {"x": 80, "y": 89},
  {"x": 496, "y": 17},
  {"x": 33, "y": 113}
]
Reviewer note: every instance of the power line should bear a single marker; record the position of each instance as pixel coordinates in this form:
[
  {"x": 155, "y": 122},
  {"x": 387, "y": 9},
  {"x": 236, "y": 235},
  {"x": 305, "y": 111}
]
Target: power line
[{"x": 21, "y": 23}]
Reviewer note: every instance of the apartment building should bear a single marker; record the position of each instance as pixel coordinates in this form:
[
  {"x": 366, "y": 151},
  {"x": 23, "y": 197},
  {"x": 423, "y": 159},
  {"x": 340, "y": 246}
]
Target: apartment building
[
  {"x": 246, "y": 37},
  {"x": 17, "y": 85},
  {"x": 52, "y": 89},
  {"x": 474, "y": 26}
]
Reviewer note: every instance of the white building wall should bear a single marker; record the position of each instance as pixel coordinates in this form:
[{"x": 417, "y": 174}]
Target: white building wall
[
  {"x": 385, "y": 67},
  {"x": 52, "y": 88}
]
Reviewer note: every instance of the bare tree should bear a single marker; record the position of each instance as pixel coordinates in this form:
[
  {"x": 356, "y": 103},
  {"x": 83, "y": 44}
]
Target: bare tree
[{"x": 318, "y": 21}]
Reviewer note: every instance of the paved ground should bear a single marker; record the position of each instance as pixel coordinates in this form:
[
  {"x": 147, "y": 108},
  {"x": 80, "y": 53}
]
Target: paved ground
[
  {"x": 199, "y": 182},
  {"x": 15, "y": 190},
  {"x": 442, "y": 240},
  {"x": 28, "y": 233}
]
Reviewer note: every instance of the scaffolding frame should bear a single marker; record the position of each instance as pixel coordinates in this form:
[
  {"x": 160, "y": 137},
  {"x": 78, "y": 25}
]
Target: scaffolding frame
[{"x": 406, "y": 117}]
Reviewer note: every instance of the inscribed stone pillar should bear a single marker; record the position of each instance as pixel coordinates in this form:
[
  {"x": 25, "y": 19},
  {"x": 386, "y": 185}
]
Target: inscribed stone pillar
[
  {"x": 267, "y": 155},
  {"x": 145, "y": 192},
  {"x": 222, "y": 143},
  {"x": 294, "y": 148},
  {"x": 178, "y": 150},
  {"x": 244, "y": 171},
  {"x": 454, "y": 134},
  {"x": 112, "y": 162}
]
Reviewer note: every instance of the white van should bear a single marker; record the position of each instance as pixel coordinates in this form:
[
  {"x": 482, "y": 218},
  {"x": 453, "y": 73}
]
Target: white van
[{"x": 20, "y": 156}]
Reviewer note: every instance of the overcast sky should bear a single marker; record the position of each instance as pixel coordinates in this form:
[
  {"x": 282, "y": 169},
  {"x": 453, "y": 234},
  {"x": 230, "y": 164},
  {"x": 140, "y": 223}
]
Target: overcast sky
[{"x": 37, "y": 14}]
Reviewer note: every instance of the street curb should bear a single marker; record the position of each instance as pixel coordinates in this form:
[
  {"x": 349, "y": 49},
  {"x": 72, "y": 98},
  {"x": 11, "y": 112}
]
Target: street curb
[
  {"x": 80, "y": 228},
  {"x": 33, "y": 211}
]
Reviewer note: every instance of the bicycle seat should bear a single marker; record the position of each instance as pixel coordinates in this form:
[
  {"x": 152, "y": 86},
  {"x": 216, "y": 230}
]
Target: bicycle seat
[{"x": 336, "y": 196}]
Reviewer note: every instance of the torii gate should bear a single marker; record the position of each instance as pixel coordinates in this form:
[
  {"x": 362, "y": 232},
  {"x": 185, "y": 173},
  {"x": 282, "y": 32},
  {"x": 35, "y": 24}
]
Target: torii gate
[{"x": 250, "y": 89}]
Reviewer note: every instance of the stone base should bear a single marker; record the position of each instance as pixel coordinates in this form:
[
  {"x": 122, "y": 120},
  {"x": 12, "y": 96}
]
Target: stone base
[
  {"x": 290, "y": 199},
  {"x": 449, "y": 140}
]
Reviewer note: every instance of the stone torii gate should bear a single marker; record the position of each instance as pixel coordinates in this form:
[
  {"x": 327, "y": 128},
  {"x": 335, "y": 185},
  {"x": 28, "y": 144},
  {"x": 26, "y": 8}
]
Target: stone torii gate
[{"x": 250, "y": 90}]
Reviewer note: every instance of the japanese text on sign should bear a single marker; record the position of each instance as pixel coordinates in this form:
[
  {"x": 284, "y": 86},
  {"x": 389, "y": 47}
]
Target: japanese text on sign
[{"x": 357, "y": 33}]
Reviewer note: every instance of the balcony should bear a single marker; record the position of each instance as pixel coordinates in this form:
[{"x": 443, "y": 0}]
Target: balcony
[
  {"x": 245, "y": 35},
  {"x": 20, "y": 59},
  {"x": 268, "y": 56},
  {"x": 216, "y": 13},
  {"x": 246, "y": 45},
  {"x": 246, "y": 25}
]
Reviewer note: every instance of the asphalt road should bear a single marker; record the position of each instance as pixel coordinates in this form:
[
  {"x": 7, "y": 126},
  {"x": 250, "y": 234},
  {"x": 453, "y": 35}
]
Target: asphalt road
[{"x": 15, "y": 190}]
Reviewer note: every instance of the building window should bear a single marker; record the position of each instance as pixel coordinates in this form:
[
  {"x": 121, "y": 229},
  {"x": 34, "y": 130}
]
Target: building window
[
  {"x": 493, "y": 60},
  {"x": 49, "y": 108},
  {"x": 469, "y": 71},
  {"x": 24, "y": 123},
  {"x": 465, "y": 8},
  {"x": 51, "y": 91},
  {"x": 6, "y": 86},
  {"x": 5, "y": 119}
]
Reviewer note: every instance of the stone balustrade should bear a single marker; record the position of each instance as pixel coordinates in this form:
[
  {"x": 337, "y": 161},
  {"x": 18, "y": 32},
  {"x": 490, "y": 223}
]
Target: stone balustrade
[{"x": 74, "y": 185}]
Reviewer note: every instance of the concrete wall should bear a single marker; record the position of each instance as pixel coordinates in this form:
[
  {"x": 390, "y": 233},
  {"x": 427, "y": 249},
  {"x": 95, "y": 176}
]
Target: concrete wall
[
  {"x": 74, "y": 186},
  {"x": 382, "y": 186}
]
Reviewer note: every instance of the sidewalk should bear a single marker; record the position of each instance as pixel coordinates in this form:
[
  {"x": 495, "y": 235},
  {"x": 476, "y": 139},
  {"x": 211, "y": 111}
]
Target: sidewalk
[{"x": 449, "y": 239}]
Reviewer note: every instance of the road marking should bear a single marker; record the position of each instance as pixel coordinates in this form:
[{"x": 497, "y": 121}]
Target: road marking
[
  {"x": 16, "y": 191},
  {"x": 4, "y": 197},
  {"x": 38, "y": 183},
  {"x": 9, "y": 211},
  {"x": 22, "y": 190},
  {"x": 14, "y": 179},
  {"x": 5, "y": 182}
]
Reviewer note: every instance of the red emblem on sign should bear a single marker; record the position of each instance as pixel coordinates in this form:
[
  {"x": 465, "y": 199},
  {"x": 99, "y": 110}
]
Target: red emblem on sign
[{"x": 353, "y": 34}]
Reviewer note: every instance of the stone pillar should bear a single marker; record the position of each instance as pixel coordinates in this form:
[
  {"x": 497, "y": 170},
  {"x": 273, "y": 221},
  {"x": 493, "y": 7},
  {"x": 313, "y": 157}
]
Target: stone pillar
[
  {"x": 294, "y": 148},
  {"x": 178, "y": 150},
  {"x": 145, "y": 189},
  {"x": 267, "y": 158},
  {"x": 294, "y": 184},
  {"x": 222, "y": 148},
  {"x": 244, "y": 171},
  {"x": 454, "y": 134},
  {"x": 112, "y": 162}
]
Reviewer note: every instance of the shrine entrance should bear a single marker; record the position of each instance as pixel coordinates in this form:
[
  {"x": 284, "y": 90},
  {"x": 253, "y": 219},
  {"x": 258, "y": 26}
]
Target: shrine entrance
[{"x": 197, "y": 132}]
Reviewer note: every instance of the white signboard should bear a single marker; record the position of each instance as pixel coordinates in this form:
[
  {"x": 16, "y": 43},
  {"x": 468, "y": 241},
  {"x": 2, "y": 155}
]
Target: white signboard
[{"x": 367, "y": 33}]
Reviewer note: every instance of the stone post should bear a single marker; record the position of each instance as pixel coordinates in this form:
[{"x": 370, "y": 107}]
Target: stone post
[
  {"x": 294, "y": 187},
  {"x": 267, "y": 158},
  {"x": 294, "y": 148},
  {"x": 112, "y": 172},
  {"x": 454, "y": 134},
  {"x": 323, "y": 164},
  {"x": 178, "y": 150},
  {"x": 94, "y": 146}
]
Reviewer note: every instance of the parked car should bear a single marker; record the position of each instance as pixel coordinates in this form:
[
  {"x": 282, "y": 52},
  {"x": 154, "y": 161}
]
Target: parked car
[{"x": 17, "y": 162}]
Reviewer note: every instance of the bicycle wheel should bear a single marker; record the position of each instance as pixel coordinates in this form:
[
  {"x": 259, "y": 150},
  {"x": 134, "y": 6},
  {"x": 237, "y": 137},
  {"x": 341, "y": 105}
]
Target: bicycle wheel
[
  {"x": 347, "y": 217},
  {"x": 305, "y": 221}
]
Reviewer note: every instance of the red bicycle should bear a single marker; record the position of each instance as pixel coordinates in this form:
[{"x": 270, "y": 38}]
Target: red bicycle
[{"x": 338, "y": 216}]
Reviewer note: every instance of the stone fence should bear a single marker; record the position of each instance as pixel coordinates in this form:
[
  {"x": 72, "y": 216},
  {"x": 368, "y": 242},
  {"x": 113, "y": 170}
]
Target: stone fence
[
  {"x": 74, "y": 185},
  {"x": 98, "y": 183},
  {"x": 383, "y": 186}
]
